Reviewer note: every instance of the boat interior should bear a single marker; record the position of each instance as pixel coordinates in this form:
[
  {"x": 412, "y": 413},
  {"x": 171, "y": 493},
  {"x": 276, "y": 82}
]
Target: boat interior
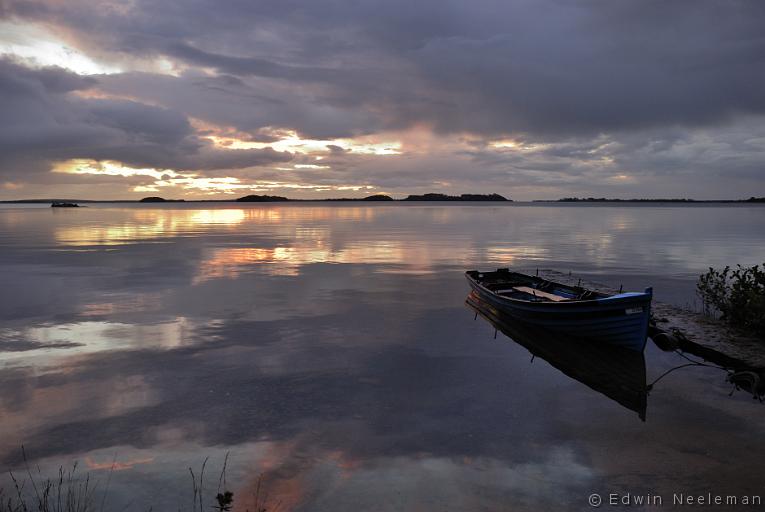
[{"x": 531, "y": 288}]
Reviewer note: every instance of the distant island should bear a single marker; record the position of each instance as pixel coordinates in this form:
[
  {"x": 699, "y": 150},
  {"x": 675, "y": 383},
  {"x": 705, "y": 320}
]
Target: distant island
[
  {"x": 463, "y": 197},
  {"x": 155, "y": 199},
  {"x": 261, "y": 199},
  {"x": 636, "y": 200},
  {"x": 606, "y": 200},
  {"x": 378, "y": 197},
  {"x": 381, "y": 197}
]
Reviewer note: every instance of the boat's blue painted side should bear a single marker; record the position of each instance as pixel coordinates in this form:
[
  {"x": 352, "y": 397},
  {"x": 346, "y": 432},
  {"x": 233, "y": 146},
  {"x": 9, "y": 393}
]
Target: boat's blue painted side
[{"x": 621, "y": 320}]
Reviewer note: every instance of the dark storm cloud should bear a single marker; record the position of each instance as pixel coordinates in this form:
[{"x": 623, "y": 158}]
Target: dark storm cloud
[
  {"x": 552, "y": 68},
  {"x": 43, "y": 122},
  {"x": 249, "y": 105},
  {"x": 247, "y": 66}
]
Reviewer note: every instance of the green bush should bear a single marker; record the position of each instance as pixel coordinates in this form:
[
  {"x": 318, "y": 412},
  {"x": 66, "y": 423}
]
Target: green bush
[{"x": 738, "y": 295}]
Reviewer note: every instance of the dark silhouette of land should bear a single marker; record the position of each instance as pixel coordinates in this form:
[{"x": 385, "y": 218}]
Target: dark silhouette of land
[
  {"x": 383, "y": 197},
  {"x": 675, "y": 200},
  {"x": 433, "y": 196},
  {"x": 463, "y": 197},
  {"x": 378, "y": 197},
  {"x": 606, "y": 200},
  {"x": 261, "y": 199},
  {"x": 156, "y": 199}
]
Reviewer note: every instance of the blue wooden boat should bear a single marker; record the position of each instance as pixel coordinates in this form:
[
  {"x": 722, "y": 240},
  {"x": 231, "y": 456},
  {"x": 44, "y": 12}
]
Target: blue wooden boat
[{"x": 620, "y": 319}]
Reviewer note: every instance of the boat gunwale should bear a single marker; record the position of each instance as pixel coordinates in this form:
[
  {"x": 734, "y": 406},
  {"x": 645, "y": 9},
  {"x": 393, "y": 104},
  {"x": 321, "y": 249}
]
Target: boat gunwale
[{"x": 598, "y": 302}]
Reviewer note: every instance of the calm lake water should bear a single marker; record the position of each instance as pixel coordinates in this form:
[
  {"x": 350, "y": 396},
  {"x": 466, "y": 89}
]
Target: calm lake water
[{"x": 328, "y": 347}]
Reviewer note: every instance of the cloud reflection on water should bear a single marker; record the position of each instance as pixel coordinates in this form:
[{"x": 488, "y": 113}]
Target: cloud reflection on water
[{"x": 328, "y": 347}]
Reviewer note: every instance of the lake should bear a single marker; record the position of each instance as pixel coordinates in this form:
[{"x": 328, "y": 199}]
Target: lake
[{"x": 328, "y": 348}]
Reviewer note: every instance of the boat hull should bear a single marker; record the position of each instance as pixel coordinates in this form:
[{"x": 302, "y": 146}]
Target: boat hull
[{"x": 621, "y": 321}]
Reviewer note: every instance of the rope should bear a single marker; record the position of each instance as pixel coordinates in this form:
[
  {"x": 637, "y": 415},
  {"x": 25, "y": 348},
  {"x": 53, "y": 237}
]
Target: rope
[
  {"x": 734, "y": 377},
  {"x": 686, "y": 365}
]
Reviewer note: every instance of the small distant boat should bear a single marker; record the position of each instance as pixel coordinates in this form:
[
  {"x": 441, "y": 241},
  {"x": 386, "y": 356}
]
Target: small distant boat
[
  {"x": 60, "y": 204},
  {"x": 620, "y": 319}
]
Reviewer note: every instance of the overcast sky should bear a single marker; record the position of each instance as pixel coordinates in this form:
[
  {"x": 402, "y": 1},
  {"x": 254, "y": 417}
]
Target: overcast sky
[{"x": 529, "y": 99}]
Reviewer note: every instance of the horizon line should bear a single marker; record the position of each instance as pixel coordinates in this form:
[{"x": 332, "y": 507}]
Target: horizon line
[{"x": 274, "y": 199}]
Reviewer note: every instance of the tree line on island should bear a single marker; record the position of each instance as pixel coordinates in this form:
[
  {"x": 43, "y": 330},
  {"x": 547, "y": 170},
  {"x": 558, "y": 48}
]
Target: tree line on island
[
  {"x": 254, "y": 198},
  {"x": 677, "y": 200},
  {"x": 383, "y": 197}
]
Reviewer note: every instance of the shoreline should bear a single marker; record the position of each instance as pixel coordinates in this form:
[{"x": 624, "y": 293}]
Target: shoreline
[
  {"x": 394, "y": 201},
  {"x": 692, "y": 332}
]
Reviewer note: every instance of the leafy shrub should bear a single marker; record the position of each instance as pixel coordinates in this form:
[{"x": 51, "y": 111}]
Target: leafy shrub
[{"x": 737, "y": 294}]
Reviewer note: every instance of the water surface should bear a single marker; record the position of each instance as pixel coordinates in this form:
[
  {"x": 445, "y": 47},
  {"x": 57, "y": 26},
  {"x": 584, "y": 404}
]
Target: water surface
[{"x": 328, "y": 347}]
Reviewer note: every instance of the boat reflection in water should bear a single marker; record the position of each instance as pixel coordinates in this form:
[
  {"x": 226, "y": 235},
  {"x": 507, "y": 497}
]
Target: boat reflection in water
[{"x": 616, "y": 372}]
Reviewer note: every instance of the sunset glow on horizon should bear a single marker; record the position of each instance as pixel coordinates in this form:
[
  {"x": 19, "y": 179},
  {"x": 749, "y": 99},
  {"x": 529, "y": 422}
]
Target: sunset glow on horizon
[
  {"x": 169, "y": 180},
  {"x": 291, "y": 141}
]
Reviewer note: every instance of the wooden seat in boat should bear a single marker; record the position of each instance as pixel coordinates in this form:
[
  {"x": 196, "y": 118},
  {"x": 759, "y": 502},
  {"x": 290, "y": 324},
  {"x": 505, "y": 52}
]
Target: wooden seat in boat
[{"x": 540, "y": 293}]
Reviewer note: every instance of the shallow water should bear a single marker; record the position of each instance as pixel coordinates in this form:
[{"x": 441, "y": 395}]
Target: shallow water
[{"x": 328, "y": 347}]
